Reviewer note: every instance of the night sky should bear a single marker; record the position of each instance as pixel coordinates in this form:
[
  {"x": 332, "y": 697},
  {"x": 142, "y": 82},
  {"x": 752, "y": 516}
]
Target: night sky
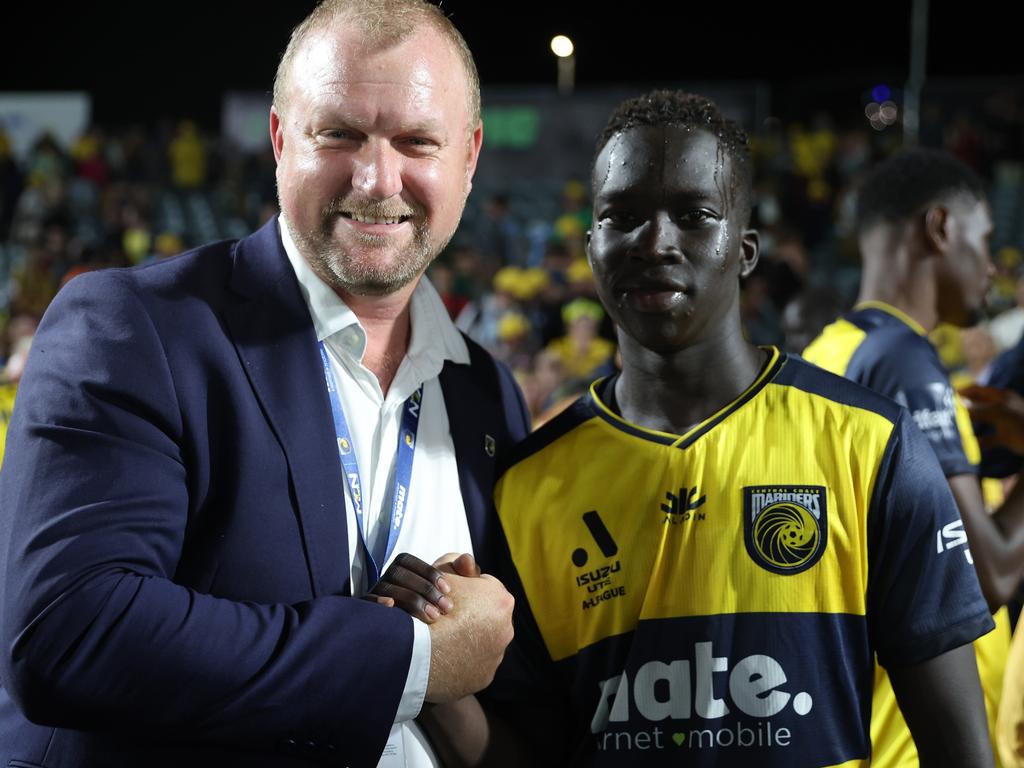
[{"x": 143, "y": 61}]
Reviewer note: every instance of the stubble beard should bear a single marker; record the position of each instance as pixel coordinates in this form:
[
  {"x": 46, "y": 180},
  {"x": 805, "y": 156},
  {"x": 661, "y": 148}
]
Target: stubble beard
[{"x": 364, "y": 275}]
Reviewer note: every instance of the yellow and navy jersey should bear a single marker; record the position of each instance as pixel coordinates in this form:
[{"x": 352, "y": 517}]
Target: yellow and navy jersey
[
  {"x": 716, "y": 598},
  {"x": 882, "y": 348},
  {"x": 885, "y": 350}
]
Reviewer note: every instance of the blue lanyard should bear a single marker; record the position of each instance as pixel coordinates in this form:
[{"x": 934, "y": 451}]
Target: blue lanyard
[{"x": 403, "y": 470}]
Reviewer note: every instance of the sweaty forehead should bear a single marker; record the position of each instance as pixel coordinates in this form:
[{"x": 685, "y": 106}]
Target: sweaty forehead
[{"x": 667, "y": 159}]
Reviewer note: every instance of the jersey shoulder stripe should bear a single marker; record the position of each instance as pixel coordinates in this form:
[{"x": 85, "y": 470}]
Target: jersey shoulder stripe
[
  {"x": 802, "y": 375},
  {"x": 577, "y": 413}
]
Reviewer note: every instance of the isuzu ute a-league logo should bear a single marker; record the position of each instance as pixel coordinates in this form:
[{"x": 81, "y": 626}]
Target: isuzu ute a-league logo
[
  {"x": 785, "y": 527},
  {"x": 599, "y": 581}
]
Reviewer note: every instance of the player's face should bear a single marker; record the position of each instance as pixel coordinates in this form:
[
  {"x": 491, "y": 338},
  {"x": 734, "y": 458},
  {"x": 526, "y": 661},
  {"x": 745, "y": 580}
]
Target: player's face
[
  {"x": 374, "y": 156},
  {"x": 966, "y": 269},
  {"x": 667, "y": 247}
]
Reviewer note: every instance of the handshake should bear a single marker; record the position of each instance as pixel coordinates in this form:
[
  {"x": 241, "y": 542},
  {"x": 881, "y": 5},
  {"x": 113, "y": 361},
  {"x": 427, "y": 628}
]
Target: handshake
[{"x": 469, "y": 614}]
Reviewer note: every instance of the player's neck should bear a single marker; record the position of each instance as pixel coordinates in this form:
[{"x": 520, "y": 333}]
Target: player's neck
[
  {"x": 896, "y": 275},
  {"x": 674, "y": 392},
  {"x": 387, "y": 322}
]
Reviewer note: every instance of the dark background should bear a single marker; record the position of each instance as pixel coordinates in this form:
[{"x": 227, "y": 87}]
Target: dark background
[{"x": 145, "y": 61}]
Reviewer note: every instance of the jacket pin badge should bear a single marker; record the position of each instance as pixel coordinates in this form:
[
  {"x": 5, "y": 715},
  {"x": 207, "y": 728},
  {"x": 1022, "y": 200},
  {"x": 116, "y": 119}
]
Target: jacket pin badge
[{"x": 489, "y": 445}]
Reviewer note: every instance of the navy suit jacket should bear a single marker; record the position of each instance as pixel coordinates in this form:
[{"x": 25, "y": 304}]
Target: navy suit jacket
[{"x": 175, "y": 577}]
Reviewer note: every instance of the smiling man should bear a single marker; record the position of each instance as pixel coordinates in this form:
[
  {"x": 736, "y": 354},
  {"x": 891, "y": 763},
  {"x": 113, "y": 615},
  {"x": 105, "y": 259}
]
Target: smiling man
[
  {"x": 213, "y": 457},
  {"x": 730, "y": 535}
]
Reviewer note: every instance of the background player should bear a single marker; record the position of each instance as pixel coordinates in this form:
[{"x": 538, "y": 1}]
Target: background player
[{"x": 923, "y": 225}]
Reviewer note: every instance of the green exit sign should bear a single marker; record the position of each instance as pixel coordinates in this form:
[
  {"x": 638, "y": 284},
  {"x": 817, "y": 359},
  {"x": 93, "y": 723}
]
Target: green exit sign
[{"x": 510, "y": 127}]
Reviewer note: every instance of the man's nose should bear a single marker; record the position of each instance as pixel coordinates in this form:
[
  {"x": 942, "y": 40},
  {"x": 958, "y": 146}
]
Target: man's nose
[
  {"x": 377, "y": 173},
  {"x": 662, "y": 239}
]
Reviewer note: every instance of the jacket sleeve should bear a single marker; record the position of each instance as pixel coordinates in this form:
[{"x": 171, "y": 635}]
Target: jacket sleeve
[{"x": 93, "y": 509}]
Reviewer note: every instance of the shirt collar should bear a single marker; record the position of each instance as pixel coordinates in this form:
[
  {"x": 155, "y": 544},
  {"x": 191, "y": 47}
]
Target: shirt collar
[
  {"x": 903, "y": 317},
  {"x": 433, "y": 335}
]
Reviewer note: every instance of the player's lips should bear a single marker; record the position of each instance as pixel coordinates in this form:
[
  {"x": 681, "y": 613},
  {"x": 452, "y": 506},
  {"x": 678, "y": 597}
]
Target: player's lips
[{"x": 652, "y": 294}]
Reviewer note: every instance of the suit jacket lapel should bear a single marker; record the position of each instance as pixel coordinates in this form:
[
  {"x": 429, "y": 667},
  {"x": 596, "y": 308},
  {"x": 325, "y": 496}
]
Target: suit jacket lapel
[
  {"x": 475, "y": 420},
  {"x": 273, "y": 333}
]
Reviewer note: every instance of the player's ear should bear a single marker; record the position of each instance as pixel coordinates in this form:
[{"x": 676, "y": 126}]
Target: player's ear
[
  {"x": 936, "y": 229},
  {"x": 750, "y": 247}
]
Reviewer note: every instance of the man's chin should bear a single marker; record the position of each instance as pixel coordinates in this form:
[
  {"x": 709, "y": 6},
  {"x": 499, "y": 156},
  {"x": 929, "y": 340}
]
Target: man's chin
[
  {"x": 374, "y": 276},
  {"x": 375, "y": 288}
]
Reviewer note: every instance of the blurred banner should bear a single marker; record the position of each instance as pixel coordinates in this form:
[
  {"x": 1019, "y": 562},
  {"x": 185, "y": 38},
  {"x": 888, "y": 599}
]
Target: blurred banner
[{"x": 25, "y": 117}]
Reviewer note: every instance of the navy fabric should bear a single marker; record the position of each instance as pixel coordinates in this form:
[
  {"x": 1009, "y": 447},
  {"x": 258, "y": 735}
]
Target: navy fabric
[
  {"x": 899, "y": 363},
  {"x": 922, "y": 600}
]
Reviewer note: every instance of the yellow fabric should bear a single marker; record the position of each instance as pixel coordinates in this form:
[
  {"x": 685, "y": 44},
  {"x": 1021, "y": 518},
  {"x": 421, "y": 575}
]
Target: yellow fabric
[
  {"x": 963, "y": 425},
  {"x": 660, "y": 562},
  {"x": 7, "y": 392},
  {"x": 1010, "y": 720},
  {"x": 835, "y": 346}
]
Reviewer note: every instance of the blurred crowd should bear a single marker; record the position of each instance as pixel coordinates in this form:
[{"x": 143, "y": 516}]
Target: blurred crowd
[{"x": 520, "y": 286}]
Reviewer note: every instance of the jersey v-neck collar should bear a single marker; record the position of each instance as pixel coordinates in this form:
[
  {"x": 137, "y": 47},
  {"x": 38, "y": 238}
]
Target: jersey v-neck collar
[{"x": 775, "y": 362}]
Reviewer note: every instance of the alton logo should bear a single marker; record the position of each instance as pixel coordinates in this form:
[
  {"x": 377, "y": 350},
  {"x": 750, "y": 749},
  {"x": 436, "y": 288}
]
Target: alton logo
[
  {"x": 785, "y": 527},
  {"x": 682, "y": 507},
  {"x": 598, "y": 581}
]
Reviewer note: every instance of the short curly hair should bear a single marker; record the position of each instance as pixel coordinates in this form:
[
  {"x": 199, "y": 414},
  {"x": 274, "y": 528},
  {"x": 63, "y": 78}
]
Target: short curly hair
[
  {"x": 900, "y": 187},
  {"x": 663, "y": 107}
]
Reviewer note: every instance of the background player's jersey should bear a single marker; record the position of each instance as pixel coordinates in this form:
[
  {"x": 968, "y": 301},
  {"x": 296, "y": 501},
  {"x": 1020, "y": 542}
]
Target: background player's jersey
[
  {"x": 716, "y": 598},
  {"x": 885, "y": 350},
  {"x": 882, "y": 348}
]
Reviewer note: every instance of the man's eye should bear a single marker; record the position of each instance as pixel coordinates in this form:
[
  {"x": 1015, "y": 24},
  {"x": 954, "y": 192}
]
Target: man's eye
[
  {"x": 418, "y": 144},
  {"x": 620, "y": 219},
  {"x": 337, "y": 134},
  {"x": 699, "y": 216}
]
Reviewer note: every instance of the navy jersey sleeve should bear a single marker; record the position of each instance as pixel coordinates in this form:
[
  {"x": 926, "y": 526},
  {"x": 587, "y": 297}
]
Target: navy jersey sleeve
[
  {"x": 923, "y": 593},
  {"x": 906, "y": 368}
]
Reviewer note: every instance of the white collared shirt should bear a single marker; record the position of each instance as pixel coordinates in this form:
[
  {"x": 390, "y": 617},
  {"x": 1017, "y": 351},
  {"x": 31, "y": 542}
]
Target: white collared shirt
[{"x": 435, "y": 516}]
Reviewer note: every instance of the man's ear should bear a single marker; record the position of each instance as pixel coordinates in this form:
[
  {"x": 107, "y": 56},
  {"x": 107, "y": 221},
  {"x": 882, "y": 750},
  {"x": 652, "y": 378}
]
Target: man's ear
[
  {"x": 750, "y": 248},
  {"x": 476, "y": 140},
  {"x": 276, "y": 133},
  {"x": 936, "y": 229}
]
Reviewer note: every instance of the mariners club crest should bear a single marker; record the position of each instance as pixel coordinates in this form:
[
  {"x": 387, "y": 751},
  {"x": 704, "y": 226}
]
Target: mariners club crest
[{"x": 785, "y": 527}]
